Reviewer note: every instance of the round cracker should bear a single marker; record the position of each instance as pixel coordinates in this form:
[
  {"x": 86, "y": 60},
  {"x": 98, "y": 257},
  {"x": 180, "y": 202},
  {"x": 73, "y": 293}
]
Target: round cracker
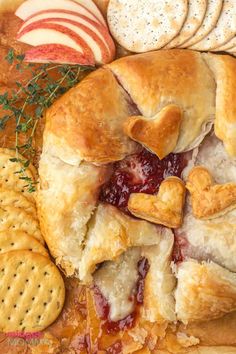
[
  {"x": 145, "y": 25},
  {"x": 12, "y": 218},
  {"x": 18, "y": 240},
  {"x": 229, "y": 45},
  {"x": 224, "y": 30},
  {"x": 10, "y": 178},
  {"x": 18, "y": 200},
  {"x": 13, "y": 154},
  {"x": 194, "y": 19},
  {"x": 32, "y": 292},
  {"x": 212, "y": 15}
]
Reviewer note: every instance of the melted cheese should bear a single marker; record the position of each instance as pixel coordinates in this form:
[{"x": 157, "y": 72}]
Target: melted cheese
[{"x": 117, "y": 282}]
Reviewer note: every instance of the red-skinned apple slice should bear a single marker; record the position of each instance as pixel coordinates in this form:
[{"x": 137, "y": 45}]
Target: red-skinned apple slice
[
  {"x": 56, "y": 53},
  {"x": 100, "y": 49},
  {"x": 31, "y": 7},
  {"x": 48, "y": 16},
  {"x": 89, "y": 4},
  {"x": 50, "y": 33}
]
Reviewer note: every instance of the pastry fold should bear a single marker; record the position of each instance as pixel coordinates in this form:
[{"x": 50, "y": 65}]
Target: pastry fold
[{"x": 204, "y": 291}]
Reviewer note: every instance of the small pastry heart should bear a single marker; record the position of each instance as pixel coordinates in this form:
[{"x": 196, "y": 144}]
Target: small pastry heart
[
  {"x": 158, "y": 134},
  {"x": 209, "y": 200},
  {"x": 165, "y": 208}
]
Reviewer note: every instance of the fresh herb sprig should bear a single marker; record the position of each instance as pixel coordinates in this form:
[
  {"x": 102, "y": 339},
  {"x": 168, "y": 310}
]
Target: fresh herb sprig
[{"x": 27, "y": 103}]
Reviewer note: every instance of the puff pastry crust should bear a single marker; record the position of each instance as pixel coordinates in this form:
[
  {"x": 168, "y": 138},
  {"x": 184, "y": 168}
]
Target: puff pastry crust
[
  {"x": 133, "y": 102},
  {"x": 110, "y": 233},
  {"x": 159, "y": 305},
  {"x": 84, "y": 127},
  {"x": 204, "y": 291},
  {"x": 209, "y": 200},
  {"x": 224, "y": 69},
  {"x": 9, "y": 5},
  {"x": 213, "y": 239},
  {"x": 66, "y": 199},
  {"x": 159, "y": 134},
  {"x": 157, "y": 79},
  {"x": 165, "y": 208}
]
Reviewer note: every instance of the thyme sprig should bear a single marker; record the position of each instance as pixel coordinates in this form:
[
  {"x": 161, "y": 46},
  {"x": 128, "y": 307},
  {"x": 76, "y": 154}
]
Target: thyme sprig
[{"x": 27, "y": 103}]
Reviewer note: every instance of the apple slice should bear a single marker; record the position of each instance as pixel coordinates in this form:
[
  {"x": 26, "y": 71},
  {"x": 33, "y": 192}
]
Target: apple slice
[
  {"x": 50, "y": 33},
  {"x": 99, "y": 48},
  {"x": 56, "y": 53},
  {"x": 89, "y": 4},
  {"x": 83, "y": 12},
  {"x": 48, "y": 16},
  {"x": 31, "y": 7}
]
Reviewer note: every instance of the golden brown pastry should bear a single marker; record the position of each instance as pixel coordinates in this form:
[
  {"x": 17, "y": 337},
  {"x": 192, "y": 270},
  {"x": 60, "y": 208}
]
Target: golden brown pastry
[
  {"x": 157, "y": 79},
  {"x": 66, "y": 199},
  {"x": 81, "y": 126},
  {"x": 131, "y": 102},
  {"x": 214, "y": 350},
  {"x": 204, "y": 291},
  {"x": 9, "y": 5},
  {"x": 159, "y": 134},
  {"x": 165, "y": 208},
  {"x": 200, "y": 350},
  {"x": 209, "y": 200},
  {"x": 224, "y": 68},
  {"x": 217, "y": 332}
]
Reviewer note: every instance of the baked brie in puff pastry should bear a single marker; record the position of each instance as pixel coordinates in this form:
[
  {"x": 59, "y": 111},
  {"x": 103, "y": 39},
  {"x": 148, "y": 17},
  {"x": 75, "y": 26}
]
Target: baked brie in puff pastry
[{"x": 137, "y": 188}]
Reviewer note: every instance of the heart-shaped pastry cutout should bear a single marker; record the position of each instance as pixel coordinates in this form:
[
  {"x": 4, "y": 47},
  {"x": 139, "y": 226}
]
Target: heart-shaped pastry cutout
[
  {"x": 209, "y": 200},
  {"x": 159, "y": 134},
  {"x": 165, "y": 208}
]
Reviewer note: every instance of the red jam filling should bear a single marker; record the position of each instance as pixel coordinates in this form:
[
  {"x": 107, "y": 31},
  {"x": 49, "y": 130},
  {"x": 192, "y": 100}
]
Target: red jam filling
[
  {"x": 103, "y": 308},
  {"x": 180, "y": 245},
  {"x": 177, "y": 255},
  {"x": 142, "y": 172},
  {"x": 143, "y": 268}
]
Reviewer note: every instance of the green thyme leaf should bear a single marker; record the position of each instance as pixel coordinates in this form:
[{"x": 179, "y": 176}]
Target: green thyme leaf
[
  {"x": 38, "y": 112},
  {"x": 20, "y": 57},
  {"x": 3, "y": 121},
  {"x": 47, "y": 83},
  {"x": 10, "y": 56}
]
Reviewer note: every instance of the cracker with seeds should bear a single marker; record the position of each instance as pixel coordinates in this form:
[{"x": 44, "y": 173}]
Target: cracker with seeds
[
  {"x": 19, "y": 240},
  {"x": 194, "y": 19},
  {"x": 10, "y": 177},
  {"x": 212, "y": 15},
  {"x": 227, "y": 46},
  {"x": 32, "y": 292},
  {"x": 18, "y": 200},
  {"x": 13, "y": 219},
  {"x": 144, "y": 25},
  {"x": 224, "y": 30}
]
